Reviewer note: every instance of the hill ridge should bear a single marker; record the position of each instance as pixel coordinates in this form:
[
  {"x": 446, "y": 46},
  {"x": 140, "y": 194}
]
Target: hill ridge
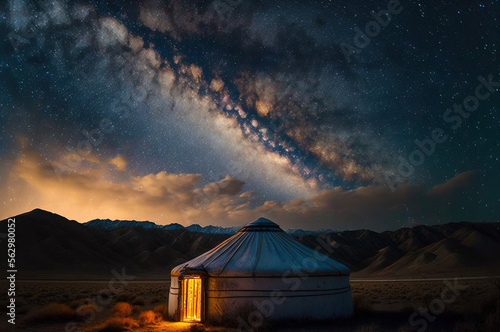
[{"x": 51, "y": 246}]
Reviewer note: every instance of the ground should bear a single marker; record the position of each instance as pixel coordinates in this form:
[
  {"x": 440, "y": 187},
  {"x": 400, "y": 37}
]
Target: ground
[{"x": 471, "y": 305}]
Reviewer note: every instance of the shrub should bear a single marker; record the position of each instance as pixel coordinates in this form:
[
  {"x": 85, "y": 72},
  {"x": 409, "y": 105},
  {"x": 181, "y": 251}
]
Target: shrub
[
  {"x": 117, "y": 324},
  {"x": 87, "y": 307},
  {"x": 162, "y": 310},
  {"x": 148, "y": 317},
  {"x": 136, "y": 309},
  {"x": 122, "y": 309},
  {"x": 87, "y": 311},
  {"x": 54, "y": 312}
]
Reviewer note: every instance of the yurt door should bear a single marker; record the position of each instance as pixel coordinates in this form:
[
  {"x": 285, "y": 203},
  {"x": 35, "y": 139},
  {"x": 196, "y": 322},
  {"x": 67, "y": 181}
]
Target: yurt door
[{"x": 191, "y": 299}]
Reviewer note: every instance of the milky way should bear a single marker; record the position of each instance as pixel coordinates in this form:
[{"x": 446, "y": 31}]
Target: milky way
[{"x": 313, "y": 113}]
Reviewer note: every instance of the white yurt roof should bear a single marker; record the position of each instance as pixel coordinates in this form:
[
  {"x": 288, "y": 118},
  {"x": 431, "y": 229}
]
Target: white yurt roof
[{"x": 262, "y": 248}]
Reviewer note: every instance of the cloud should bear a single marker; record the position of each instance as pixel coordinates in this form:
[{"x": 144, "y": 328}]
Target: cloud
[
  {"x": 119, "y": 162},
  {"x": 455, "y": 185},
  {"x": 273, "y": 125},
  {"x": 112, "y": 70},
  {"x": 229, "y": 186},
  {"x": 95, "y": 192},
  {"x": 379, "y": 208},
  {"x": 282, "y": 126}
]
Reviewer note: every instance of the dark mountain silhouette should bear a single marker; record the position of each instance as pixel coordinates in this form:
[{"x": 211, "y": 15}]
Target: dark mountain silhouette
[
  {"x": 113, "y": 224},
  {"x": 51, "y": 246},
  {"x": 454, "y": 249}
]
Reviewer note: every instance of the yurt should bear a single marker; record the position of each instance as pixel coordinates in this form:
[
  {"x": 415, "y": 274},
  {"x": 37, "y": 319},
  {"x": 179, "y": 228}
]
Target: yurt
[{"x": 260, "y": 273}]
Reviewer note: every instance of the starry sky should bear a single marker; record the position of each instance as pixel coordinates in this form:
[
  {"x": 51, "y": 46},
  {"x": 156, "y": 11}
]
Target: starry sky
[{"x": 315, "y": 114}]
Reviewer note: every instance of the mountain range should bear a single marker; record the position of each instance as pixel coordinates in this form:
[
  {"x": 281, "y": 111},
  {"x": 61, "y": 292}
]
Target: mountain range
[
  {"x": 51, "y": 246},
  {"x": 112, "y": 224}
]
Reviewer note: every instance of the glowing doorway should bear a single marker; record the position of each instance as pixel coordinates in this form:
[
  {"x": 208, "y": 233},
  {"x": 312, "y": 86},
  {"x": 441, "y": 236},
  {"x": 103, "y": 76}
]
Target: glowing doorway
[{"x": 191, "y": 299}]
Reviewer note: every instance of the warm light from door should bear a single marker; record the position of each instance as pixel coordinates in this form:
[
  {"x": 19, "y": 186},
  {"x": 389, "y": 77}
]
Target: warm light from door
[{"x": 191, "y": 299}]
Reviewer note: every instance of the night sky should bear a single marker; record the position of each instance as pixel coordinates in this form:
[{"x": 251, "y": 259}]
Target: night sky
[{"x": 315, "y": 114}]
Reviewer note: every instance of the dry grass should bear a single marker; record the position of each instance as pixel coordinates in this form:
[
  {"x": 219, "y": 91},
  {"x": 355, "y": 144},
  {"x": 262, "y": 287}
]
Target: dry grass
[
  {"x": 124, "y": 297},
  {"x": 87, "y": 308},
  {"x": 361, "y": 304},
  {"x": 492, "y": 322},
  {"x": 162, "y": 309},
  {"x": 122, "y": 309},
  {"x": 488, "y": 319},
  {"x": 54, "y": 312},
  {"x": 76, "y": 304},
  {"x": 136, "y": 309},
  {"x": 156, "y": 299},
  {"x": 387, "y": 304},
  {"x": 197, "y": 328},
  {"x": 139, "y": 300},
  {"x": 87, "y": 312},
  {"x": 148, "y": 318},
  {"x": 117, "y": 324},
  {"x": 491, "y": 310}
]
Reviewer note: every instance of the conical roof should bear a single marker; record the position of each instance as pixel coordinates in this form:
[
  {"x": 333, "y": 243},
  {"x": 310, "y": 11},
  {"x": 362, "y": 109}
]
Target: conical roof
[{"x": 262, "y": 248}]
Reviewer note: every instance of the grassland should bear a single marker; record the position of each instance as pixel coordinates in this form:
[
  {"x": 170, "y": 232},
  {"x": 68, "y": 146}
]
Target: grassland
[{"x": 141, "y": 306}]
